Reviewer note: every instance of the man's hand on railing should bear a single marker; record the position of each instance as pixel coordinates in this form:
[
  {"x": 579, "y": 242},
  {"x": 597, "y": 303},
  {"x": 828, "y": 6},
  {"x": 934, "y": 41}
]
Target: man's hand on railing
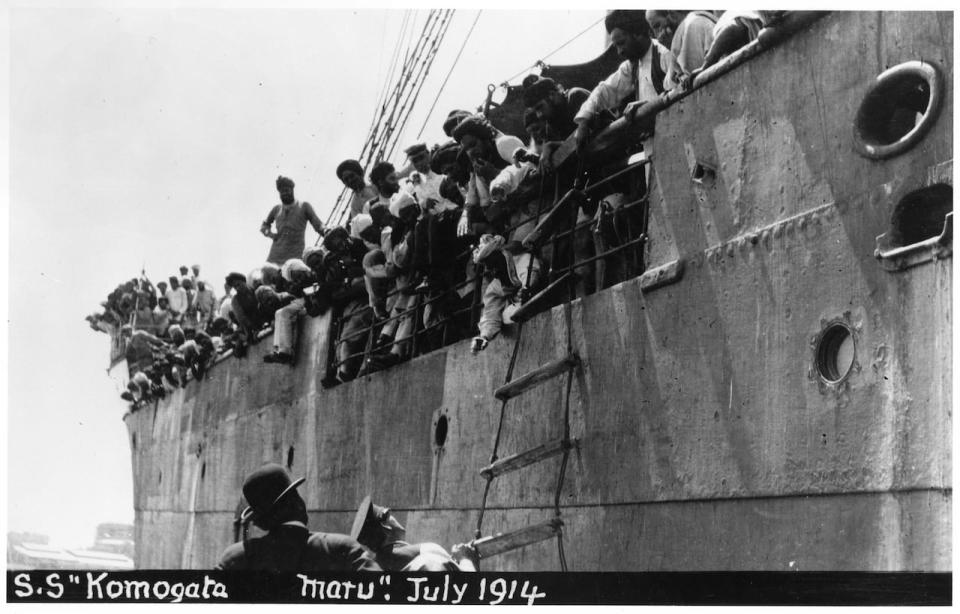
[
  {"x": 546, "y": 156},
  {"x": 686, "y": 81},
  {"x": 582, "y": 135},
  {"x": 631, "y": 110}
]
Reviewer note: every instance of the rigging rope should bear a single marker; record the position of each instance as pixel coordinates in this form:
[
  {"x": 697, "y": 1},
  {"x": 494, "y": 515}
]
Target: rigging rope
[
  {"x": 413, "y": 72},
  {"x": 585, "y": 30},
  {"x": 397, "y": 103},
  {"x": 408, "y": 108},
  {"x": 450, "y": 72}
]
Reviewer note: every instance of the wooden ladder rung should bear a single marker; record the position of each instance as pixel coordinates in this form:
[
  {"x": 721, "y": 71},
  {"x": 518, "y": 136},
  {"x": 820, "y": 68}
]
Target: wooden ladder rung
[
  {"x": 504, "y": 542},
  {"x": 537, "y": 376},
  {"x": 538, "y": 302},
  {"x": 528, "y": 457}
]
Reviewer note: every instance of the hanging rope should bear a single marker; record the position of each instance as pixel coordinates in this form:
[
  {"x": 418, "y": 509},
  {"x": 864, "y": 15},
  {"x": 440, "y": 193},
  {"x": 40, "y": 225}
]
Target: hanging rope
[
  {"x": 568, "y": 321},
  {"x": 496, "y": 439}
]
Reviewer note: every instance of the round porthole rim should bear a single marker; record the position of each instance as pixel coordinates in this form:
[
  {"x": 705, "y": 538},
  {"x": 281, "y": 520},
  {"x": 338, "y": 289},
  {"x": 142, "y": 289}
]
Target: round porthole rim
[
  {"x": 829, "y": 328},
  {"x": 930, "y": 73}
]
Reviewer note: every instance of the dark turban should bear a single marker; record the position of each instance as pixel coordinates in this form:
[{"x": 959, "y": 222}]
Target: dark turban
[
  {"x": 538, "y": 90},
  {"x": 531, "y": 78},
  {"x": 335, "y": 232},
  {"x": 349, "y": 165},
  {"x": 449, "y": 190},
  {"x": 281, "y": 181},
  {"x": 380, "y": 171},
  {"x": 454, "y": 118},
  {"x": 236, "y": 278},
  {"x": 444, "y": 155},
  {"x": 631, "y": 21},
  {"x": 475, "y": 125}
]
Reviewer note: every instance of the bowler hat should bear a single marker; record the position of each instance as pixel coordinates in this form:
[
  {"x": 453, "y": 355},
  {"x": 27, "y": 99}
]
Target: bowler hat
[
  {"x": 367, "y": 522},
  {"x": 265, "y": 488}
]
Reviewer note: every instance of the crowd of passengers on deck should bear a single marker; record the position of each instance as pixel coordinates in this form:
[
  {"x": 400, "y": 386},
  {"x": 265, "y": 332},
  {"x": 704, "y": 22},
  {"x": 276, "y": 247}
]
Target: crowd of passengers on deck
[{"x": 453, "y": 243}]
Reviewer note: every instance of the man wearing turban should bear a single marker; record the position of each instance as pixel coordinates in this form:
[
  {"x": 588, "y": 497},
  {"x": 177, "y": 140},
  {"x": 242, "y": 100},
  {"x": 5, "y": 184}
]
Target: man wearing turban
[
  {"x": 647, "y": 71},
  {"x": 290, "y": 217}
]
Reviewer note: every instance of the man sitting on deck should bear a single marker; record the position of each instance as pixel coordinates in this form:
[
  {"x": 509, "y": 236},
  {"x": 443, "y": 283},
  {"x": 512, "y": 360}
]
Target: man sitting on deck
[
  {"x": 732, "y": 31},
  {"x": 343, "y": 265},
  {"x": 687, "y": 34},
  {"x": 286, "y": 318}
]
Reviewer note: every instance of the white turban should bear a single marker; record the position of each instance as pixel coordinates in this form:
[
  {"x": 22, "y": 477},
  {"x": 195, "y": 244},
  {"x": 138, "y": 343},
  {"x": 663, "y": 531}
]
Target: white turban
[
  {"x": 291, "y": 266},
  {"x": 400, "y": 201},
  {"x": 359, "y": 223}
]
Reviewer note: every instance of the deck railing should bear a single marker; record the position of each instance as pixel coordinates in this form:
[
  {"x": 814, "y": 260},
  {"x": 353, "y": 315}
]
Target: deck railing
[
  {"x": 560, "y": 273},
  {"x": 564, "y": 267}
]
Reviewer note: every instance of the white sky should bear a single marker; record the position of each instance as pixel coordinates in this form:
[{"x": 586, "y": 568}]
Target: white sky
[{"x": 152, "y": 138}]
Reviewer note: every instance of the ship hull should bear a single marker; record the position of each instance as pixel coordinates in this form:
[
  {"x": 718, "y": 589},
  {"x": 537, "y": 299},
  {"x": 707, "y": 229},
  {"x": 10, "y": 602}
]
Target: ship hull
[{"x": 707, "y": 439}]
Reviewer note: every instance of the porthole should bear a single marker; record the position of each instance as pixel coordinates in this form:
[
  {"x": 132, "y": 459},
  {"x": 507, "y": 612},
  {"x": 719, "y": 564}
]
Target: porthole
[
  {"x": 920, "y": 215},
  {"x": 899, "y": 107},
  {"x": 835, "y": 353},
  {"x": 440, "y": 431}
]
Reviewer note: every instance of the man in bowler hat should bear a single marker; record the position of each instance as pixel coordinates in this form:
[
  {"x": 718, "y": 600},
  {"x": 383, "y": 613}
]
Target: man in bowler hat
[{"x": 276, "y": 507}]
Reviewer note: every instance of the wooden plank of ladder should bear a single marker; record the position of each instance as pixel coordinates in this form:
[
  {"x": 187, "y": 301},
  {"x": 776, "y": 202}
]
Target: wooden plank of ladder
[
  {"x": 529, "y": 380},
  {"x": 539, "y": 301},
  {"x": 522, "y": 459},
  {"x": 504, "y": 542}
]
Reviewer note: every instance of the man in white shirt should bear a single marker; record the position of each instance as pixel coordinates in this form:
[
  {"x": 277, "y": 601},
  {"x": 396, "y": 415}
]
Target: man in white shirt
[
  {"x": 688, "y": 35},
  {"x": 176, "y": 297},
  {"x": 647, "y": 72},
  {"x": 422, "y": 183}
]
